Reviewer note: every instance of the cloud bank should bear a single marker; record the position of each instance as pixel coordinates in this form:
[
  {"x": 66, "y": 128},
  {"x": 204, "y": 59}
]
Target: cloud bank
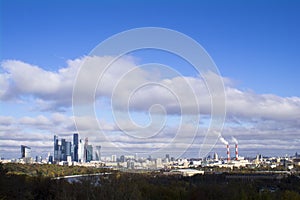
[{"x": 124, "y": 86}]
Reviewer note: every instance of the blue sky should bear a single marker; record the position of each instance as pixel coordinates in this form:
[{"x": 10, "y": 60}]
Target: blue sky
[
  {"x": 254, "y": 44},
  {"x": 246, "y": 39}
]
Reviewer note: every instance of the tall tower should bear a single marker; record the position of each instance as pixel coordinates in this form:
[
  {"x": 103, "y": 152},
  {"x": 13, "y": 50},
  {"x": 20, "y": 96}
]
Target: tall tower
[
  {"x": 68, "y": 149},
  {"x": 89, "y": 153},
  {"x": 56, "y": 148},
  {"x": 75, "y": 145},
  {"x": 63, "y": 150},
  {"x": 98, "y": 153},
  {"x": 80, "y": 151},
  {"x": 86, "y": 141}
]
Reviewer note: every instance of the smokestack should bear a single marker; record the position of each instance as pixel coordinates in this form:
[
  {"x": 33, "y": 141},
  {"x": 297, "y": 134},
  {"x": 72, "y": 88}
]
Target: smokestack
[
  {"x": 228, "y": 153},
  {"x": 236, "y": 152},
  {"x": 227, "y": 146},
  {"x": 236, "y": 148}
]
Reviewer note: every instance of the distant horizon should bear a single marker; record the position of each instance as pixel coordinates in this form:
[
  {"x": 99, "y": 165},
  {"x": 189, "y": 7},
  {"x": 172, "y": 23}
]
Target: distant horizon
[{"x": 220, "y": 151}]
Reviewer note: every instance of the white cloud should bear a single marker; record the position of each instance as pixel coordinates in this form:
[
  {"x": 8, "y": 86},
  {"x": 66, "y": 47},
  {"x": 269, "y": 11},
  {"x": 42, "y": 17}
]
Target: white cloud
[
  {"x": 29, "y": 79},
  {"x": 266, "y": 106},
  {"x": 4, "y": 84},
  {"x": 264, "y": 116},
  {"x": 24, "y": 81},
  {"x": 130, "y": 86},
  {"x": 6, "y": 120},
  {"x": 38, "y": 121}
]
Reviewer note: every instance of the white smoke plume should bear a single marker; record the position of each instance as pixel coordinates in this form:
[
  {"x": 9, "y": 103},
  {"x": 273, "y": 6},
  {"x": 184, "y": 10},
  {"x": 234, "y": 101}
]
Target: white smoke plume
[
  {"x": 223, "y": 140},
  {"x": 234, "y": 140}
]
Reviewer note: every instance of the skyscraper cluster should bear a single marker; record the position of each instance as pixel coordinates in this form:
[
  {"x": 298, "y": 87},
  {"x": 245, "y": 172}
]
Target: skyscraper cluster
[{"x": 79, "y": 151}]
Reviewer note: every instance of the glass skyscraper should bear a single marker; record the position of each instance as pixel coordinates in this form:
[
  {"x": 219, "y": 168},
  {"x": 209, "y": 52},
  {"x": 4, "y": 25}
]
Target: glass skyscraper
[
  {"x": 25, "y": 151},
  {"x": 75, "y": 147}
]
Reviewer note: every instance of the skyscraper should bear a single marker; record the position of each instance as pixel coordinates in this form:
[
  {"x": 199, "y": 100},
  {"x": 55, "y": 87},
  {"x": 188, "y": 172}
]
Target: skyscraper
[
  {"x": 167, "y": 157},
  {"x": 63, "y": 156},
  {"x": 80, "y": 151},
  {"x": 68, "y": 149},
  {"x": 85, "y": 152},
  {"x": 62, "y": 149},
  {"x": 98, "y": 153},
  {"x": 75, "y": 146},
  {"x": 56, "y": 148},
  {"x": 89, "y": 153},
  {"x": 25, "y": 151}
]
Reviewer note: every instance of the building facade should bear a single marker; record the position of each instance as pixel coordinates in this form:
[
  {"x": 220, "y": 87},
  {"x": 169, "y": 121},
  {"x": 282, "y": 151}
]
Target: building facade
[
  {"x": 25, "y": 151},
  {"x": 75, "y": 147},
  {"x": 98, "y": 153}
]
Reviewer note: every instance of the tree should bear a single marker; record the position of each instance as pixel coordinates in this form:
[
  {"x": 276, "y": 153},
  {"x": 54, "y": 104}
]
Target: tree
[{"x": 3, "y": 170}]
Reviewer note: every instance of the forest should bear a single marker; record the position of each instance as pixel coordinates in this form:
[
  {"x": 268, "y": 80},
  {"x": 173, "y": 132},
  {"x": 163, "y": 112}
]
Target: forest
[{"x": 36, "y": 182}]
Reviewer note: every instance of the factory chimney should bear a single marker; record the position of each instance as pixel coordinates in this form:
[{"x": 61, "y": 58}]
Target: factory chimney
[
  {"x": 236, "y": 152},
  {"x": 228, "y": 153},
  {"x": 227, "y": 147},
  {"x": 236, "y": 148}
]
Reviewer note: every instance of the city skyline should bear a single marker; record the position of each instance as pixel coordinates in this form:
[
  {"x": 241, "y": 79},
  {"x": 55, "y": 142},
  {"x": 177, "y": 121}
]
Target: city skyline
[
  {"x": 229, "y": 151},
  {"x": 254, "y": 45},
  {"x": 78, "y": 151}
]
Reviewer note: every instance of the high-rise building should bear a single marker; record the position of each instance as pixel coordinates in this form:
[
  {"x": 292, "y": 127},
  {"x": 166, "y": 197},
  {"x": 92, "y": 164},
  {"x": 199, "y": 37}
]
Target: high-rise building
[
  {"x": 75, "y": 147},
  {"x": 63, "y": 156},
  {"x": 167, "y": 157},
  {"x": 62, "y": 149},
  {"x": 80, "y": 151},
  {"x": 68, "y": 149},
  {"x": 98, "y": 153},
  {"x": 25, "y": 151},
  {"x": 56, "y": 148},
  {"x": 89, "y": 153},
  {"x": 86, "y": 143}
]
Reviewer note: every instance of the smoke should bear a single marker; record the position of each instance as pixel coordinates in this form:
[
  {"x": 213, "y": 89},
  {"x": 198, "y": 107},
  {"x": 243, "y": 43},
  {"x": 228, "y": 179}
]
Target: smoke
[
  {"x": 234, "y": 140},
  {"x": 223, "y": 140}
]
